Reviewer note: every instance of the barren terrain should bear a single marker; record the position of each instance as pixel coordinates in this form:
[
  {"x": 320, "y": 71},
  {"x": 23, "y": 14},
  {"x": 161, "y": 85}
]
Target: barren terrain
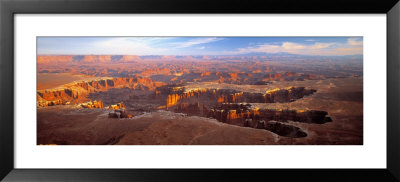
[{"x": 139, "y": 100}]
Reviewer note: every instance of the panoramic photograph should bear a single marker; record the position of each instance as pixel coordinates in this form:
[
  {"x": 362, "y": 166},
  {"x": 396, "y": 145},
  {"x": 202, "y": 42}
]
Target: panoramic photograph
[{"x": 199, "y": 90}]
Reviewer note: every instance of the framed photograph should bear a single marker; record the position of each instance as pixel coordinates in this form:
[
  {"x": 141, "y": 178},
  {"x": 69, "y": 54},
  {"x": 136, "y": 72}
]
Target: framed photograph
[{"x": 132, "y": 90}]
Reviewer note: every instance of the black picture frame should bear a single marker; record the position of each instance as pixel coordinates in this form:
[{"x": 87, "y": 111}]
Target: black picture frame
[{"x": 9, "y": 8}]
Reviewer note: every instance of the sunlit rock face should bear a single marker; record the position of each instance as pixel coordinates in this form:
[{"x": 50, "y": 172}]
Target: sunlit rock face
[
  {"x": 269, "y": 119},
  {"x": 231, "y": 96},
  {"x": 117, "y": 106},
  {"x": 238, "y": 113},
  {"x": 229, "y": 106},
  {"x": 51, "y": 103},
  {"x": 92, "y": 104},
  {"x": 54, "y": 59},
  {"x": 172, "y": 100},
  {"x": 247, "y": 116},
  {"x": 78, "y": 92}
]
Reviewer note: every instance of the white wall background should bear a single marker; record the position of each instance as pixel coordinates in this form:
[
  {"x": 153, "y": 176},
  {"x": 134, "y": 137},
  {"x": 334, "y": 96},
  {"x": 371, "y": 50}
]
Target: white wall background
[{"x": 370, "y": 155}]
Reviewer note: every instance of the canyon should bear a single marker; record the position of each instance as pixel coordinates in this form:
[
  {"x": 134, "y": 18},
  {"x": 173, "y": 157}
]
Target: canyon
[{"x": 134, "y": 100}]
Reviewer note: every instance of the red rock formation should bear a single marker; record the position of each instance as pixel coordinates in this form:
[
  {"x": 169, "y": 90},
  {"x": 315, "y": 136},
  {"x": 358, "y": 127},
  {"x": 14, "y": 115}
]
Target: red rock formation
[
  {"x": 221, "y": 99},
  {"x": 130, "y": 58},
  {"x": 236, "y": 96},
  {"x": 233, "y": 75},
  {"x": 156, "y": 71},
  {"x": 119, "y": 113},
  {"x": 92, "y": 104},
  {"x": 78, "y": 92},
  {"x": 230, "y": 96},
  {"x": 117, "y": 106},
  {"x": 51, "y": 103},
  {"x": 269, "y": 119},
  {"x": 172, "y": 100},
  {"x": 53, "y": 59},
  {"x": 205, "y": 74},
  {"x": 96, "y": 59}
]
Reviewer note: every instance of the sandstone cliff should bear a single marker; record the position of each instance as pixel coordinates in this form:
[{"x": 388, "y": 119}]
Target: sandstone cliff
[
  {"x": 117, "y": 106},
  {"x": 78, "y": 92},
  {"x": 231, "y": 96},
  {"x": 92, "y": 104}
]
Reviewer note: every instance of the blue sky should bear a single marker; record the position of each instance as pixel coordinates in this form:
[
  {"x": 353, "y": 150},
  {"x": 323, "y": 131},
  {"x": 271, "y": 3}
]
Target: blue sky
[{"x": 199, "y": 45}]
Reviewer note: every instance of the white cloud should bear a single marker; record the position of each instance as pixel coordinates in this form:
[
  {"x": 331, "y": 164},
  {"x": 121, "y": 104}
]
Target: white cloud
[
  {"x": 195, "y": 41},
  {"x": 322, "y": 45},
  {"x": 171, "y": 45},
  {"x": 137, "y": 46},
  {"x": 352, "y": 47},
  {"x": 291, "y": 46},
  {"x": 354, "y": 41}
]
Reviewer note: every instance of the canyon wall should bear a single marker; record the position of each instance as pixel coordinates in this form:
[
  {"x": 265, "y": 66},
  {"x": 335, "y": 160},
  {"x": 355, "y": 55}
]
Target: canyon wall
[
  {"x": 231, "y": 96},
  {"x": 92, "y": 104},
  {"x": 239, "y": 113},
  {"x": 274, "y": 120},
  {"x": 78, "y": 92}
]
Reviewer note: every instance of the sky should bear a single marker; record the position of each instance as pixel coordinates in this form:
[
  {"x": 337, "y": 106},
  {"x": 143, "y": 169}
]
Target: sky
[{"x": 322, "y": 46}]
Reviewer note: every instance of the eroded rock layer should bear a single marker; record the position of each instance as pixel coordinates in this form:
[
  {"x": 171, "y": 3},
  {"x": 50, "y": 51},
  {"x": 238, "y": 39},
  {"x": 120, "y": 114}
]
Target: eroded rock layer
[
  {"x": 247, "y": 116},
  {"x": 230, "y": 106},
  {"x": 78, "y": 92},
  {"x": 231, "y": 96}
]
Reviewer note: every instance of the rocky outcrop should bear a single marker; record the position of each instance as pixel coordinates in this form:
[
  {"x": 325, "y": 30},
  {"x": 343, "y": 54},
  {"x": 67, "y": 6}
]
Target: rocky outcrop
[
  {"x": 172, "y": 100},
  {"x": 78, "y": 92},
  {"x": 276, "y": 127},
  {"x": 117, "y": 106},
  {"x": 92, "y": 104},
  {"x": 229, "y": 106},
  {"x": 51, "y": 103},
  {"x": 95, "y": 59},
  {"x": 54, "y": 59},
  {"x": 190, "y": 108},
  {"x": 269, "y": 119},
  {"x": 238, "y": 113},
  {"x": 231, "y": 96},
  {"x": 127, "y": 58},
  {"x": 119, "y": 113},
  {"x": 282, "y": 129}
]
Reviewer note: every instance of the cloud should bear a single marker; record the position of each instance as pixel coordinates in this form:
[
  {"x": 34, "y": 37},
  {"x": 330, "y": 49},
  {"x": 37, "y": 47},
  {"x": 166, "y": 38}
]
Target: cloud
[
  {"x": 195, "y": 41},
  {"x": 352, "y": 47},
  {"x": 175, "y": 45},
  {"x": 354, "y": 41},
  {"x": 137, "y": 46},
  {"x": 322, "y": 45},
  {"x": 122, "y": 45},
  {"x": 291, "y": 46},
  {"x": 310, "y": 40}
]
